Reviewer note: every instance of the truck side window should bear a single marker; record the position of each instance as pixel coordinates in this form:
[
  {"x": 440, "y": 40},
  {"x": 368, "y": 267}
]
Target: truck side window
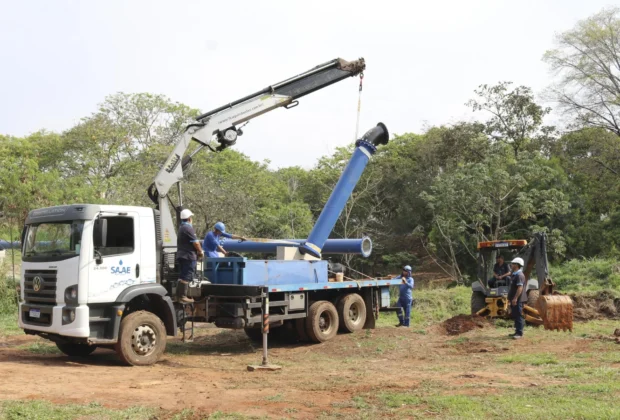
[{"x": 119, "y": 237}]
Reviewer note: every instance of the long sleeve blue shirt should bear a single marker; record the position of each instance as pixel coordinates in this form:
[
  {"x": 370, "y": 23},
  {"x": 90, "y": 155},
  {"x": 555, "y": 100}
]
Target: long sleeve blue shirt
[{"x": 406, "y": 289}]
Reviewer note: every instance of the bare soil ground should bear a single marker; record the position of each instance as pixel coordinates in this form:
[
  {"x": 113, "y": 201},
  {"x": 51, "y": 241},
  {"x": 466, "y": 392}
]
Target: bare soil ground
[{"x": 328, "y": 379}]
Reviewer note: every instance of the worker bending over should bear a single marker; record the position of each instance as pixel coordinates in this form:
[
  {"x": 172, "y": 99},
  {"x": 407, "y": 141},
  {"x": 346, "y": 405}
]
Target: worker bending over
[
  {"x": 188, "y": 246},
  {"x": 211, "y": 243},
  {"x": 517, "y": 296},
  {"x": 405, "y": 297}
]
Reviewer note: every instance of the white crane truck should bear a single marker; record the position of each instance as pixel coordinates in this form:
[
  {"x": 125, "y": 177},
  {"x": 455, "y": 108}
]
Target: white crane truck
[{"x": 105, "y": 275}]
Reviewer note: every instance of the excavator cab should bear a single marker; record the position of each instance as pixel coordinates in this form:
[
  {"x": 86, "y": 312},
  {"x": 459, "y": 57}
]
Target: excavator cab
[
  {"x": 544, "y": 305},
  {"x": 489, "y": 295}
]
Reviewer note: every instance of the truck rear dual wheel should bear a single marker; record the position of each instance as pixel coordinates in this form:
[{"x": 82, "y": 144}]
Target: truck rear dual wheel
[
  {"x": 322, "y": 321},
  {"x": 76, "y": 350},
  {"x": 352, "y": 313},
  {"x": 142, "y": 339}
]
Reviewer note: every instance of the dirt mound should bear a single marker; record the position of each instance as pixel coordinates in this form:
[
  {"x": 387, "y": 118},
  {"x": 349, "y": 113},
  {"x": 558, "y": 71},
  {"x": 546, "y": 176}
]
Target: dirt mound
[
  {"x": 462, "y": 323},
  {"x": 596, "y": 306}
]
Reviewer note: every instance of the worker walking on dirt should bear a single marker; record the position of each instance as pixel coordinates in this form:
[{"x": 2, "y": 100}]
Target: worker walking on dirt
[
  {"x": 405, "y": 297},
  {"x": 188, "y": 247},
  {"x": 211, "y": 243},
  {"x": 516, "y": 297},
  {"x": 501, "y": 271}
]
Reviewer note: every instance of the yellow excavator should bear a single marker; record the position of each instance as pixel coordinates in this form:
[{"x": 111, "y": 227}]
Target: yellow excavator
[{"x": 544, "y": 305}]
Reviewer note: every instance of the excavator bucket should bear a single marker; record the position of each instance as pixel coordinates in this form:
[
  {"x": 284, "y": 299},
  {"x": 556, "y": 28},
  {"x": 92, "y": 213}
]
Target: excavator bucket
[{"x": 556, "y": 312}]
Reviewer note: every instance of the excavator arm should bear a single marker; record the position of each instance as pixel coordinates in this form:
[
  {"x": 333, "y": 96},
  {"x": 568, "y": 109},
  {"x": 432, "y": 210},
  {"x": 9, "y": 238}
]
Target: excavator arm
[
  {"x": 222, "y": 125},
  {"x": 551, "y": 309}
]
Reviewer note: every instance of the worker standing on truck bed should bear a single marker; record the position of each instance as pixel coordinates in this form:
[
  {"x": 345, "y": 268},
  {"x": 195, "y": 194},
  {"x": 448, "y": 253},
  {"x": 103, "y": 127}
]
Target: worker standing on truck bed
[
  {"x": 405, "y": 297},
  {"x": 516, "y": 297},
  {"x": 188, "y": 246},
  {"x": 211, "y": 243}
]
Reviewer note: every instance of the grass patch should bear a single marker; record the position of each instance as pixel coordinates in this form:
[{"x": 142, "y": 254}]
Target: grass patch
[
  {"x": 587, "y": 275},
  {"x": 43, "y": 410},
  {"x": 432, "y": 305},
  {"x": 41, "y": 348},
  {"x": 534, "y": 359},
  {"x": 219, "y": 415},
  {"x": 274, "y": 398},
  {"x": 396, "y": 400},
  {"x": 8, "y": 325},
  {"x": 583, "y": 401}
]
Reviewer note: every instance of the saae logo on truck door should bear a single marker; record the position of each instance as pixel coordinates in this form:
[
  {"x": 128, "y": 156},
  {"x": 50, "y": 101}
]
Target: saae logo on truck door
[{"x": 120, "y": 269}]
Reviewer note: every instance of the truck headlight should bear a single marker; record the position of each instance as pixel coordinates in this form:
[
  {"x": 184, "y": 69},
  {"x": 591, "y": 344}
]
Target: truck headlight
[
  {"x": 68, "y": 316},
  {"x": 71, "y": 295}
]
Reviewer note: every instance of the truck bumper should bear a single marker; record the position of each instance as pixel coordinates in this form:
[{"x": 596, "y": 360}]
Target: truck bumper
[{"x": 50, "y": 320}]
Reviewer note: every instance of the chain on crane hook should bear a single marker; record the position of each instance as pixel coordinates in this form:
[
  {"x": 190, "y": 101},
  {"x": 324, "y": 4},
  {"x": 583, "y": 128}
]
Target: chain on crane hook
[{"x": 359, "y": 108}]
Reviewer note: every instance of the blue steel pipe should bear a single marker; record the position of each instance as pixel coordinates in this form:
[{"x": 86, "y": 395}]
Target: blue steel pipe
[
  {"x": 8, "y": 245},
  {"x": 362, "y": 246},
  {"x": 365, "y": 148}
]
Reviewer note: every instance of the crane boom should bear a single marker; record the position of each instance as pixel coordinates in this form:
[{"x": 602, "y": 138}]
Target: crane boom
[{"x": 222, "y": 123}]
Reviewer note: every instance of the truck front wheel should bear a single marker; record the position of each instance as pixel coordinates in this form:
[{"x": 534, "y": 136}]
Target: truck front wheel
[
  {"x": 142, "y": 339},
  {"x": 76, "y": 350}
]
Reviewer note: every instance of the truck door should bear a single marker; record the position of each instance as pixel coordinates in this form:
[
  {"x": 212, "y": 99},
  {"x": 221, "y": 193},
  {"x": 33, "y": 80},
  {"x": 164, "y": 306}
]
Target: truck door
[{"x": 119, "y": 257}]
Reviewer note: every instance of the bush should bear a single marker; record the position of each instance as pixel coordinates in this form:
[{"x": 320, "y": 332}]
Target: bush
[
  {"x": 8, "y": 295},
  {"x": 587, "y": 275}
]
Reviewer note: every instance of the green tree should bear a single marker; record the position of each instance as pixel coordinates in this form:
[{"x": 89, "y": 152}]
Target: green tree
[
  {"x": 119, "y": 141},
  {"x": 586, "y": 61},
  {"x": 516, "y": 118},
  {"x": 591, "y": 159},
  {"x": 493, "y": 199}
]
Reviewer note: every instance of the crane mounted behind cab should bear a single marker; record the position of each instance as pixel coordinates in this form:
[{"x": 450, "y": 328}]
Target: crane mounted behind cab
[
  {"x": 105, "y": 275},
  {"x": 223, "y": 124},
  {"x": 544, "y": 305}
]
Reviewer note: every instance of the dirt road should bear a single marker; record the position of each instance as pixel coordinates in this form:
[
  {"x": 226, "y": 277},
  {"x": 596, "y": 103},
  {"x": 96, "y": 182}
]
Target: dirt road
[{"x": 210, "y": 374}]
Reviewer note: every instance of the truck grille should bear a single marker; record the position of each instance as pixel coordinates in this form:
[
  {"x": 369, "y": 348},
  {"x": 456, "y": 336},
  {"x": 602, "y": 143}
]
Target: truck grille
[{"x": 40, "y": 287}]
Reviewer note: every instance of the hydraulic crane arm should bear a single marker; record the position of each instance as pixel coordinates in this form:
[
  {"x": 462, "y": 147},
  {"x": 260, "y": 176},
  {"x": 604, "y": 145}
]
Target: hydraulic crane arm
[{"x": 222, "y": 124}]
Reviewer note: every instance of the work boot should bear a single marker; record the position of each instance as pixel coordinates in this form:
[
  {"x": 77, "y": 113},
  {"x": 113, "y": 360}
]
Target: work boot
[{"x": 182, "y": 287}]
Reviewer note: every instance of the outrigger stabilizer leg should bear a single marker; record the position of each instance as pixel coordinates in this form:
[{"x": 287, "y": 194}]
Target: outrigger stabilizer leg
[{"x": 265, "y": 365}]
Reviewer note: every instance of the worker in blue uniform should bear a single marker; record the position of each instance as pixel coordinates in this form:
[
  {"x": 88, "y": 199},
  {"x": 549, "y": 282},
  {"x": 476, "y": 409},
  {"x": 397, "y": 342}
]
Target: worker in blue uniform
[
  {"x": 188, "y": 250},
  {"x": 405, "y": 297},
  {"x": 211, "y": 243}
]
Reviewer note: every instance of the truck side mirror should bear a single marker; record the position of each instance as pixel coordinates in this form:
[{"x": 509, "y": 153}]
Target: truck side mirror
[{"x": 100, "y": 233}]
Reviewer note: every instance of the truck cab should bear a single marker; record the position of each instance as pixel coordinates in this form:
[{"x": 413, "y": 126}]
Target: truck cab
[{"x": 86, "y": 267}]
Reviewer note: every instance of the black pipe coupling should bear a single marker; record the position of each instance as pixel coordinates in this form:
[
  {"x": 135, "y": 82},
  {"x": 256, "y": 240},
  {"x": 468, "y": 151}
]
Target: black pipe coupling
[{"x": 377, "y": 135}]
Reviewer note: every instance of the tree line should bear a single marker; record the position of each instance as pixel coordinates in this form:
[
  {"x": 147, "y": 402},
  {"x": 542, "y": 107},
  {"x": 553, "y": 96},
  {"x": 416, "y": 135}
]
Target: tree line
[{"x": 434, "y": 193}]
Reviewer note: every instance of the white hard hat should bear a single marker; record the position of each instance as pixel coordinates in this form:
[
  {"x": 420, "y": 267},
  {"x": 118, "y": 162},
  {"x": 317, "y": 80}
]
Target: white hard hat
[
  {"x": 518, "y": 261},
  {"x": 186, "y": 214}
]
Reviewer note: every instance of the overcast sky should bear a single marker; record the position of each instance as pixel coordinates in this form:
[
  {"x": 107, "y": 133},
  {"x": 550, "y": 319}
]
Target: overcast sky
[{"x": 59, "y": 59}]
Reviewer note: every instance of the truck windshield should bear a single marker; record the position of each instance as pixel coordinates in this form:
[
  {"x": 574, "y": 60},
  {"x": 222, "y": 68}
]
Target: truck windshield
[{"x": 53, "y": 241}]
